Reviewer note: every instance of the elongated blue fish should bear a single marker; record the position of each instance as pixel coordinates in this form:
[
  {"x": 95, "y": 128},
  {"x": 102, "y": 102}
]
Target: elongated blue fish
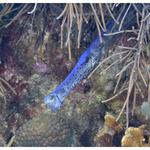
[{"x": 87, "y": 62}]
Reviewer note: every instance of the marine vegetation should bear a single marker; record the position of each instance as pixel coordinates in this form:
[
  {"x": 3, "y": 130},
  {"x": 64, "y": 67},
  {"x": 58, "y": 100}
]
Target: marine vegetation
[{"x": 74, "y": 74}]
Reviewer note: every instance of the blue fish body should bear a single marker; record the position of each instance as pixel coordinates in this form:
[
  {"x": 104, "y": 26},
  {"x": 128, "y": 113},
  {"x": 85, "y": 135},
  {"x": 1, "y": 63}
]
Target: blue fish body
[{"x": 86, "y": 63}]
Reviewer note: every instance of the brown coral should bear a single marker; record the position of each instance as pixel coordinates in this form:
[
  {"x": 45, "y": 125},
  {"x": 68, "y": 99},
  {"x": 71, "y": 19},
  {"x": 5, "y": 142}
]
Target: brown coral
[
  {"x": 133, "y": 137},
  {"x": 110, "y": 122},
  {"x": 105, "y": 135}
]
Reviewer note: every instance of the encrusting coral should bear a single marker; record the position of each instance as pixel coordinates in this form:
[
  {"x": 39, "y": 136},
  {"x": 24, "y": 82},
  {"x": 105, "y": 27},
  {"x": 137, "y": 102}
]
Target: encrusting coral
[
  {"x": 134, "y": 137},
  {"x": 105, "y": 135},
  {"x": 47, "y": 129}
]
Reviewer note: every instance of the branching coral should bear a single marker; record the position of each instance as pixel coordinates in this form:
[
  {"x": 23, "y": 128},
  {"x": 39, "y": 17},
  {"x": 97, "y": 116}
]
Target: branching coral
[
  {"x": 135, "y": 61},
  {"x": 3, "y": 89},
  {"x": 76, "y": 14}
]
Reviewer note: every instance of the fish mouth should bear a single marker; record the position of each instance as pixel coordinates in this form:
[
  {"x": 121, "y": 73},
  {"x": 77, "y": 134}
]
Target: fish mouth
[{"x": 53, "y": 102}]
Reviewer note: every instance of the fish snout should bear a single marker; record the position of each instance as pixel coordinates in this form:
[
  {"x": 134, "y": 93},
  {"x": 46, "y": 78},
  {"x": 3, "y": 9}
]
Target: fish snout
[{"x": 53, "y": 102}]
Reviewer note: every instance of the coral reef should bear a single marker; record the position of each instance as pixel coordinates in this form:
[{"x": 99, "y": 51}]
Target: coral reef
[
  {"x": 2, "y": 142},
  {"x": 47, "y": 129},
  {"x": 104, "y": 136},
  {"x": 113, "y": 134},
  {"x": 134, "y": 137},
  {"x": 145, "y": 109},
  {"x": 38, "y": 55},
  {"x": 64, "y": 128}
]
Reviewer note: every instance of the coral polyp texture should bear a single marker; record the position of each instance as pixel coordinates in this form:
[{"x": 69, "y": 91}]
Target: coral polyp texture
[
  {"x": 134, "y": 137},
  {"x": 105, "y": 135},
  {"x": 45, "y": 130}
]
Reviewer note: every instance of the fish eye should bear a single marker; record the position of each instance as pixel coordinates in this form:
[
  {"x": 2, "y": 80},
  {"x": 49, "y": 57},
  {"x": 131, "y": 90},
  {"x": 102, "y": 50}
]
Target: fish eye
[
  {"x": 49, "y": 99},
  {"x": 52, "y": 98}
]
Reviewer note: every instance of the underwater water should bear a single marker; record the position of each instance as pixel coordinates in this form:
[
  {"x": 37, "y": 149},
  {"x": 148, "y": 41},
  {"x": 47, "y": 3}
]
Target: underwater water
[{"x": 55, "y": 92}]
